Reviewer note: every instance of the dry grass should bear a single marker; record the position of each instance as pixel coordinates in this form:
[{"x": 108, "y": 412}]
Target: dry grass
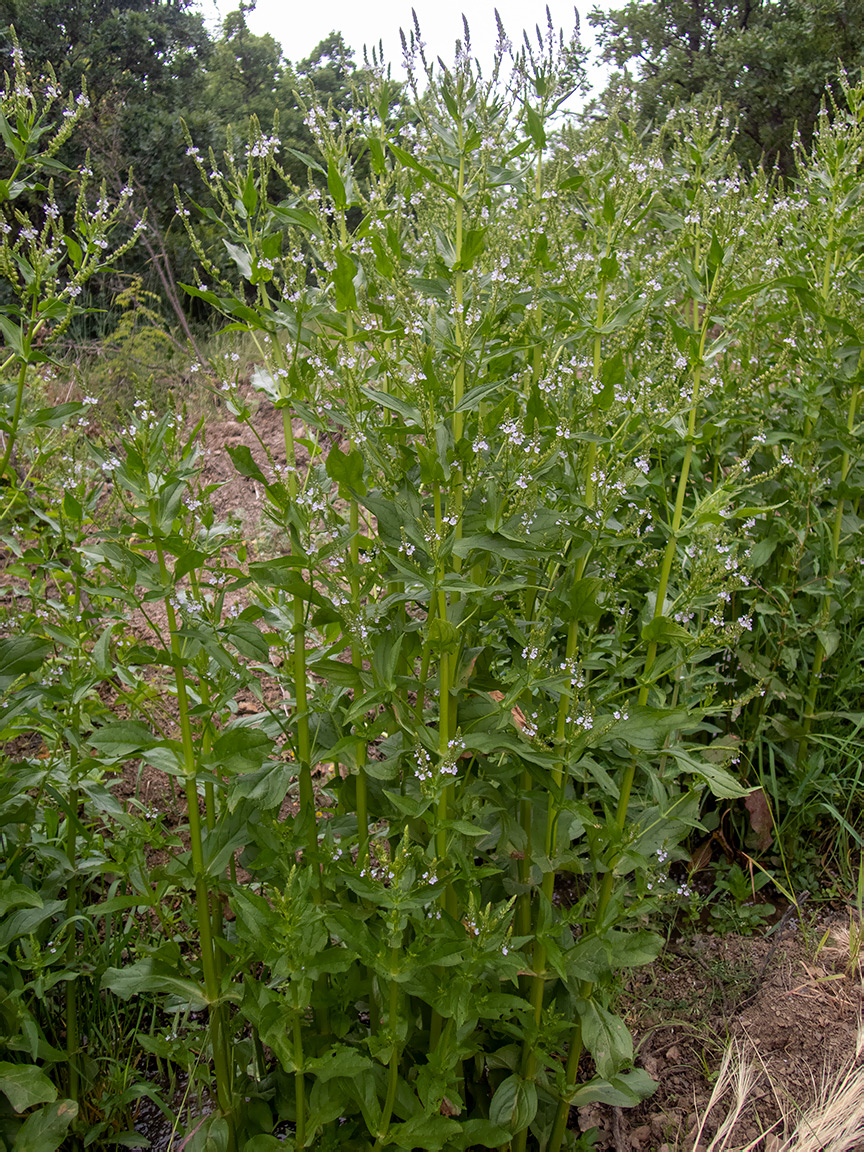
[{"x": 834, "y": 1122}]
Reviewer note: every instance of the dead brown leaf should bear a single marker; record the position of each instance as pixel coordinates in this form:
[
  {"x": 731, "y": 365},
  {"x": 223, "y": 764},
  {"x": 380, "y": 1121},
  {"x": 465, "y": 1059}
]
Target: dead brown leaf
[{"x": 761, "y": 820}]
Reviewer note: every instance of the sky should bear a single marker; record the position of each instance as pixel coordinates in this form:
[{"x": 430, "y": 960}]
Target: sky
[{"x": 300, "y": 27}]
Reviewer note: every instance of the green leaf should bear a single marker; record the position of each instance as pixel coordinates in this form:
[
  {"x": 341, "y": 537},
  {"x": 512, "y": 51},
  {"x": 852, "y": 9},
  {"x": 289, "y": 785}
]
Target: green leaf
[
  {"x": 149, "y": 976},
  {"x": 13, "y": 337},
  {"x": 343, "y": 282},
  {"x": 52, "y": 417},
  {"x": 346, "y": 468},
  {"x": 280, "y": 575},
  {"x": 622, "y": 1091},
  {"x": 19, "y": 656},
  {"x": 514, "y": 1104},
  {"x": 408, "y": 160},
  {"x": 247, "y": 638},
  {"x": 474, "y": 396},
  {"x": 298, "y": 217},
  {"x": 264, "y": 1142},
  {"x": 267, "y": 787},
  {"x": 340, "y": 1060},
  {"x": 762, "y": 551},
  {"x": 606, "y": 1038},
  {"x": 622, "y": 317},
  {"x": 429, "y": 1132},
  {"x": 443, "y": 636},
  {"x": 721, "y": 783},
  {"x": 534, "y": 126},
  {"x": 250, "y": 192},
  {"x": 336, "y": 185},
  {"x": 25, "y": 1085},
  {"x": 491, "y": 542},
  {"x": 306, "y": 159},
  {"x": 663, "y": 630},
  {"x": 581, "y": 599},
  {"x": 647, "y": 728},
  {"x": 45, "y": 1130},
  {"x": 241, "y": 258},
  {"x": 14, "y": 895},
  {"x": 632, "y": 949},
  {"x": 613, "y": 377},
  {"x": 123, "y": 739},
  {"x": 408, "y": 413},
  {"x": 481, "y": 1133},
  {"x": 829, "y": 638},
  {"x": 473, "y": 243},
  {"x": 74, "y": 250},
  {"x": 241, "y": 748},
  {"x": 72, "y": 509},
  {"x": 209, "y": 1135},
  {"x": 241, "y": 458}
]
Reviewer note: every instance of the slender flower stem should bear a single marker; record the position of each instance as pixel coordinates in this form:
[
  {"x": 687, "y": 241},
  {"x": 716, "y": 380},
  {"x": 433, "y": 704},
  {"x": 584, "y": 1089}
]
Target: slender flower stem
[{"x": 459, "y": 377}]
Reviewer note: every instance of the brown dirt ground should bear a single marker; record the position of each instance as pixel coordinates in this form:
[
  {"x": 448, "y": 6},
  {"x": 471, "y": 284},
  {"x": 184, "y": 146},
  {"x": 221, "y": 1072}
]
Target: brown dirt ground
[{"x": 790, "y": 1001}]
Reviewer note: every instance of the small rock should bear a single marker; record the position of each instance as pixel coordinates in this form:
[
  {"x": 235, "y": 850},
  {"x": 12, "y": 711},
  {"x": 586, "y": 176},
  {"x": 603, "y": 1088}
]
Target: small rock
[{"x": 640, "y": 1136}]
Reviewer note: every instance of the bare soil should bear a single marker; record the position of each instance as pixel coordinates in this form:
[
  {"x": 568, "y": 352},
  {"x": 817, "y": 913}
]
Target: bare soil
[{"x": 791, "y": 1003}]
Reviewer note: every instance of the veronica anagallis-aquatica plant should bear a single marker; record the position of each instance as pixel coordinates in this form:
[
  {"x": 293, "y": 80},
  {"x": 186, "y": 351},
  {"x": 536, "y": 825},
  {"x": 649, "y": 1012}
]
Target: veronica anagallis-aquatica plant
[
  {"x": 471, "y": 428},
  {"x": 490, "y": 642}
]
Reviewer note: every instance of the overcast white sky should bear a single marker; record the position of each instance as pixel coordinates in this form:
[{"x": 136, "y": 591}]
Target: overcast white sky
[{"x": 299, "y": 27}]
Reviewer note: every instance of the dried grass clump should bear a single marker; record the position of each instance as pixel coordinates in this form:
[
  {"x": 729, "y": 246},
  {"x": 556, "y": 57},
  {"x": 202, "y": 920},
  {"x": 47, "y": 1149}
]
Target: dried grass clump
[{"x": 834, "y": 1122}]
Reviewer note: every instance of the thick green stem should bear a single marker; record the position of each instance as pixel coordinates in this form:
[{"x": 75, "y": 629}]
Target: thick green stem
[
  {"x": 626, "y": 786},
  {"x": 395, "y": 1056},
  {"x": 299, "y": 1086},
  {"x": 357, "y": 661},
  {"x": 304, "y": 768},
  {"x": 12, "y": 434},
  {"x": 71, "y": 909},
  {"x": 72, "y": 891},
  {"x": 445, "y": 800},
  {"x": 221, "y": 1059}
]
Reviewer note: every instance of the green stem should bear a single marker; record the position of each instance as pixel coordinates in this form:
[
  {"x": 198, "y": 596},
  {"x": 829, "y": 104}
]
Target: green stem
[
  {"x": 395, "y": 1056},
  {"x": 221, "y": 1060},
  {"x": 357, "y": 661},
  {"x": 299, "y": 1086},
  {"x": 72, "y": 1038},
  {"x": 73, "y": 894},
  {"x": 459, "y": 378},
  {"x": 445, "y": 801},
  {"x": 12, "y": 434},
  {"x": 559, "y": 780}
]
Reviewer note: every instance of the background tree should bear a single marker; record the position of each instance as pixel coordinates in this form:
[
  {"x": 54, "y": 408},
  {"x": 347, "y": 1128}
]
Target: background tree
[
  {"x": 149, "y": 67},
  {"x": 766, "y": 61}
]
